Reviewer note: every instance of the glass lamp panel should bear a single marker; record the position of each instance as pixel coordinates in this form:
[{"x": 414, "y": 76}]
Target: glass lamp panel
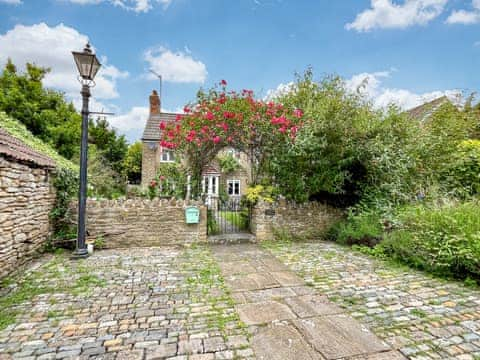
[{"x": 94, "y": 67}]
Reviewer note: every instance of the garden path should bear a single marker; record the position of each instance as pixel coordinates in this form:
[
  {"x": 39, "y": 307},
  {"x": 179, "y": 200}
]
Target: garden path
[{"x": 288, "y": 320}]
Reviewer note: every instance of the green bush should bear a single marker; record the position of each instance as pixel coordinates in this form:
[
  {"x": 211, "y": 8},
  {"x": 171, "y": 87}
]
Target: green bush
[
  {"x": 441, "y": 239},
  {"x": 364, "y": 228},
  {"x": 462, "y": 174}
]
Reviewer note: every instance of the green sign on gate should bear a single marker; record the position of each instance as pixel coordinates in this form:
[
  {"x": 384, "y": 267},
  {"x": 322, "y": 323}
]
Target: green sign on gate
[{"x": 192, "y": 215}]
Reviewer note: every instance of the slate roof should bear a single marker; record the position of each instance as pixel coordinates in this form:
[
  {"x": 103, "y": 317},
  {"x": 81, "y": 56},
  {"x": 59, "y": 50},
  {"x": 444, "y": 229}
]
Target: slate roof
[
  {"x": 152, "y": 127},
  {"x": 423, "y": 111},
  {"x": 14, "y": 148}
]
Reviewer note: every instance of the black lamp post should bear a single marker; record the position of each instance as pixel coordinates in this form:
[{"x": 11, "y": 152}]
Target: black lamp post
[{"x": 88, "y": 65}]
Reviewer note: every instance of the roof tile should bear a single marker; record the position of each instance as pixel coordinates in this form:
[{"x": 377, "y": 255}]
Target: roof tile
[{"x": 16, "y": 149}]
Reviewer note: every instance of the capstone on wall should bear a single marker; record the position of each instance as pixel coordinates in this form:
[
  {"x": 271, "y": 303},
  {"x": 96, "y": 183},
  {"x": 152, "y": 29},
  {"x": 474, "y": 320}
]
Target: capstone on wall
[
  {"x": 26, "y": 200},
  {"x": 142, "y": 222},
  {"x": 308, "y": 220}
]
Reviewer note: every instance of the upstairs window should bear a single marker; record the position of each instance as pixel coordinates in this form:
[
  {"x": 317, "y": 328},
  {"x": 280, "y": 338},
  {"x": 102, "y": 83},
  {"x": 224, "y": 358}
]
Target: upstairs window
[{"x": 167, "y": 156}]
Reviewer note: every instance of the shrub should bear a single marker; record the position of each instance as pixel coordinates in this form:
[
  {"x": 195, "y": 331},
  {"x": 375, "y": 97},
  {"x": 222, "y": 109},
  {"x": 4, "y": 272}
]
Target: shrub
[
  {"x": 463, "y": 172},
  {"x": 364, "y": 228},
  {"x": 441, "y": 239},
  {"x": 253, "y": 194}
]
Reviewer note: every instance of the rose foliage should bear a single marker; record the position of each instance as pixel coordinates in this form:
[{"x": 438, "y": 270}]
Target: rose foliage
[{"x": 220, "y": 118}]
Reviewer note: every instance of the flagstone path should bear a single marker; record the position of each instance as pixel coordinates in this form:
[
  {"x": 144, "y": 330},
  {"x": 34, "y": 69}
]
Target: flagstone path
[{"x": 287, "y": 319}]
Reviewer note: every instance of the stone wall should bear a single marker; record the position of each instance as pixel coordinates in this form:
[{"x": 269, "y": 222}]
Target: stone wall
[
  {"x": 26, "y": 200},
  {"x": 142, "y": 222},
  {"x": 309, "y": 220}
]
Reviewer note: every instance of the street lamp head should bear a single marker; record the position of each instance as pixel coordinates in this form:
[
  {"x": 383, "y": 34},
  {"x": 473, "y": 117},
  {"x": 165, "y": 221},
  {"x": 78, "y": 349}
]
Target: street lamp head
[{"x": 87, "y": 63}]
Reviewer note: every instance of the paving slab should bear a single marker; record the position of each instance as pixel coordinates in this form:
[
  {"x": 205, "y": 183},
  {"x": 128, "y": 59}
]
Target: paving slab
[
  {"x": 236, "y": 267},
  {"x": 281, "y": 342},
  {"x": 253, "y": 281},
  {"x": 389, "y": 355},
  {"x": 264, "y": 312},
  {"x": 287, "y": 278},
  {"x": 339, "y": 336},
  {"x": 312, "y": 305},
  {"x": 267, "y": 294}
]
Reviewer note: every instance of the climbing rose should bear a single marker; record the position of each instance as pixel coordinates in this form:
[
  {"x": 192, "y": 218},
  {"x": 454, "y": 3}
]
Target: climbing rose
[
  {"x": 216, "y": 139},
  {"x": 223, "y": 83},
  {"x": 210, "y": 115},
  {"x": 298, "y": 113},
  {"x": 163, "y": 125}
]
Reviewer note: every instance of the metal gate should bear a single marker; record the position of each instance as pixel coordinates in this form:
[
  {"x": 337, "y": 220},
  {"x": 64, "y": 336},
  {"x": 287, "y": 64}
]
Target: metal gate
[{"x": 228, "y": 217}]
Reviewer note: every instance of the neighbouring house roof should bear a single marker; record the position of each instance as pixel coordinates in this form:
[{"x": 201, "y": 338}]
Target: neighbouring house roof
[
  {"x": 423, "y": 111},
  {"x": 152, "y": 127},
  {"x": 14, "y": 148}
]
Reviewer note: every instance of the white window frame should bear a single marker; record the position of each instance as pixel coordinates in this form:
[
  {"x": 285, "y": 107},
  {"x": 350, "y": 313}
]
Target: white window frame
[
  {"x": 170, "y": 156},
  {"x": 211, "y": 185},
  {"x": 233, "y": 182}
]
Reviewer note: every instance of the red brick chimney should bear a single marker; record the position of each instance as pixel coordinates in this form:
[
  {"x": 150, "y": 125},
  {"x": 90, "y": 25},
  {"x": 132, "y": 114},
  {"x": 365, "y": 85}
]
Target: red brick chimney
[{"x": 154, "y": 103}]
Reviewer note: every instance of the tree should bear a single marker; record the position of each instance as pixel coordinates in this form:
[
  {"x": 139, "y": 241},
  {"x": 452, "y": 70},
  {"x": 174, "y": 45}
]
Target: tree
[
  {"x": 44, "y": 112},
  {"x": 113, "y": 147},
  {"x": 132, "y": 164}
]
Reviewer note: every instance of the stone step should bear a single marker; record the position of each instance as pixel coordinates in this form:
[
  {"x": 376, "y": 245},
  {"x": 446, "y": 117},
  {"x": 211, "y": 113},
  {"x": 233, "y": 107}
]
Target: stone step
[{"x": 236, "y": 238}]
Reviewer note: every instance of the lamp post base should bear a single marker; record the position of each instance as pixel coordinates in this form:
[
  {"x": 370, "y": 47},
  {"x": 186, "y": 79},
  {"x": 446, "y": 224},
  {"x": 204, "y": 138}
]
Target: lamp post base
[{"x": 79, "y": 254}]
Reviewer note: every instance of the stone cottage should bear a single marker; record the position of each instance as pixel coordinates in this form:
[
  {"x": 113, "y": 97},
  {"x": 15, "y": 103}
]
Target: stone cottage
[
  {"x": 215, "y": 181},
  {"x": 26, "y": 200}
]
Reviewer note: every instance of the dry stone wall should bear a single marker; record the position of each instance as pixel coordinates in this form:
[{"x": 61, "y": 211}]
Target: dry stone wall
[
  {"x": 142, "y": 222},
  {"x": 26, "y": 200},
  {"x": 309, "y": 220}
]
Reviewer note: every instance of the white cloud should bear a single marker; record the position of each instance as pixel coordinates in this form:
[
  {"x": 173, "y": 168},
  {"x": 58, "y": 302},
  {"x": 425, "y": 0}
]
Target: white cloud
[
  {"x": 51, "y": 47},
  {"x": 11, "y": 2},
  {"x": 281, "y": 90},
  {"x": 370, "y": 85},
  {"x": 385, "y": 14},
  {"x": 137, "y": 6},
  {"x": 176, "y": 67},
  {"x": 132, "y": 123},
  {"x": 135, "y": 119},
  {"x": 466, "y": 17}
]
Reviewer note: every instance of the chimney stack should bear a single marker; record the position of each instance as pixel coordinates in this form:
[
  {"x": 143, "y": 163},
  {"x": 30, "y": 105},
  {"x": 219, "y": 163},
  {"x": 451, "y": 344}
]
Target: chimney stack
[{"x": 154, "y": 103}]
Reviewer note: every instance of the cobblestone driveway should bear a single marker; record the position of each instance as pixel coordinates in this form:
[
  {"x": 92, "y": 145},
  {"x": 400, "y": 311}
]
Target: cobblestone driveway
[
  {"x": 125, "y": 304},
  {"x": 173, "y": 303},
  {"x": 425, "y": 318}
]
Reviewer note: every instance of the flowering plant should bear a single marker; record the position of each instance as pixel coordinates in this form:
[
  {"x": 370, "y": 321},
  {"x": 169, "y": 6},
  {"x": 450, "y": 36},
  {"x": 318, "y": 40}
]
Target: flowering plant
[{"x": 221, "y": 118}]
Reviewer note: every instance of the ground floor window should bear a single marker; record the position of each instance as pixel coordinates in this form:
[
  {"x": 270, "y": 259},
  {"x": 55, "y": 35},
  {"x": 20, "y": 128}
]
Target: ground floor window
[
  {"x": 210, "y": 184},
  {"x": 233, "y": 187}
]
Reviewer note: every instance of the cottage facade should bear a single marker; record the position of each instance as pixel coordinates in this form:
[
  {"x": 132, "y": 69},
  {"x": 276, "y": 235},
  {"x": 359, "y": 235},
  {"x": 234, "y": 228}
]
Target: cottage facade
[{"x": 215, "y": 182}]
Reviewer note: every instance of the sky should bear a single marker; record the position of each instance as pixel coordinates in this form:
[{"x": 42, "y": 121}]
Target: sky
[{"x": 405, "y": 51}]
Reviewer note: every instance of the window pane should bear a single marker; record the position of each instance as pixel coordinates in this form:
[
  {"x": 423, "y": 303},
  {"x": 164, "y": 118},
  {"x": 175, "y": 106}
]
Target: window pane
[
  {"x": 237, "y": 187},
  {"x": 230, "y": 188}
]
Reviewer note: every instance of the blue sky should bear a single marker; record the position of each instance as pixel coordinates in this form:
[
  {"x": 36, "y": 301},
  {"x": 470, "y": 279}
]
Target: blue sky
[{"x": 409, "y": 50}]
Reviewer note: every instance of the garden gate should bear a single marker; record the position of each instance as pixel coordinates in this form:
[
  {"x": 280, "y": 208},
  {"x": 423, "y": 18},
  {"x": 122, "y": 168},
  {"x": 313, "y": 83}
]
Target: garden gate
[{"x": 230, "y": 216}]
